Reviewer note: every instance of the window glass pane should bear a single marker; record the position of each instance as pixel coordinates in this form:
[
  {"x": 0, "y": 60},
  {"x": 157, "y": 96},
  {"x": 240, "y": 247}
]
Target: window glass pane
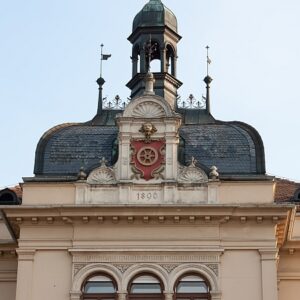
[
  {"x": 192, "y": 287},
  {"x": 99, "y": 287},
  {"x": 145, "y": 288}
]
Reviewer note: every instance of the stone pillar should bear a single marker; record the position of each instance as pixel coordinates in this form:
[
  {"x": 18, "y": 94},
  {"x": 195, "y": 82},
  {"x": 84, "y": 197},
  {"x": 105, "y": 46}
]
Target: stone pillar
[
  {"x": 25, "y": 274},
  {"x": 174, "y": 66},
  {"x": 143, "y": 61},
  {"x": 163, "y": 60},
  {"x": 269, "y": 274},
  {"x": 134, "y": 66},
  {"x": 172, "y": 142}
]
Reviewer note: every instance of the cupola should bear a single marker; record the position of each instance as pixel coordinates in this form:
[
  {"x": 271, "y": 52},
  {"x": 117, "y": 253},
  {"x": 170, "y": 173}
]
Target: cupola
[
  {"x": 155, "y": 14},
  {"x": 155, "y": 28}
]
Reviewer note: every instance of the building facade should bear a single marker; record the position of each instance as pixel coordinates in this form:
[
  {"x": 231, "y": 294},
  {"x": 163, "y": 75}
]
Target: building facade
[{"x": 152, "y": 201}]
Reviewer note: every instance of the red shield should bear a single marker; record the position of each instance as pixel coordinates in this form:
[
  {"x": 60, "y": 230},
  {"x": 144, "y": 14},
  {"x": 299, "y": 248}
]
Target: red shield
[{"x": 148, "y": 157}]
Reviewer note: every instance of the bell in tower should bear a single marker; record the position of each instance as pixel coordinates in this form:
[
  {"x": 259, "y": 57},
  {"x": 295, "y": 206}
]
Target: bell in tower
[{"x": 154, "y": 37}]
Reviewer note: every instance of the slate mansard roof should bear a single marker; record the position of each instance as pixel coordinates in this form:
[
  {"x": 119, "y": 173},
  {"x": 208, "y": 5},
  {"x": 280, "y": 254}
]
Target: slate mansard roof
[{"x": 234, "y": 147}]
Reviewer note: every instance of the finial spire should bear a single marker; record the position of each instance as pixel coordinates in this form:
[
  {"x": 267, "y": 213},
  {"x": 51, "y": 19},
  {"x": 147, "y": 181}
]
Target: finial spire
[
  {"x": 207, "y": 80},
  {"x": 100, "y": 80},
  {"x": 208, "y": 61}
]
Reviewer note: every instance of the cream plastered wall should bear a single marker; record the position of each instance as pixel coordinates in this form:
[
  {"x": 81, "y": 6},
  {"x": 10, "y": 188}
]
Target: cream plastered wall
[
  {"x": 289, "y": 263},
  {"x": 51, "y": 275},
  {"x": 241, "y": 275},
  {"x": 289, "y": 275},
  {"x": 45, "y": 194},
  {"x": 8, "y": 276},
  {"x": 238, "y": 255},
  {"x": 295, "y": 229},
  {"x": 222, "y": 193},
  {"x": 246, "y": 192}
]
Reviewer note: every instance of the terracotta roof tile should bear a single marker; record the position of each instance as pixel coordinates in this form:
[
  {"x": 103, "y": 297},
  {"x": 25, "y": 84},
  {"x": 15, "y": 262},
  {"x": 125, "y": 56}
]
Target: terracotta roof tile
[{"x": 285, "y": 190}]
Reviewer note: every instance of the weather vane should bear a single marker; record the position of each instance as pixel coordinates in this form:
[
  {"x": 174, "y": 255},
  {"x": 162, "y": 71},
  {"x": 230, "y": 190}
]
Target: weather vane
[
  {"x": 208, "y": 60},
  {"x": 103, "y": 57},
  {"x": 149, "y": 50}
]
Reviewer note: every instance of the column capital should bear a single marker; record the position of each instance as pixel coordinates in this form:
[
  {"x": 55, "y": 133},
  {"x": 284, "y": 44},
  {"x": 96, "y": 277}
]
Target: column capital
[
  {"x": 168, "y": 295},
  {"x": 122, "y": 295},
  {"x": 75, "y": 295},
  {"x": 268, "y": 254},
  {"x": 215, "y": 295},
  {"x": 25, "y": 254}
]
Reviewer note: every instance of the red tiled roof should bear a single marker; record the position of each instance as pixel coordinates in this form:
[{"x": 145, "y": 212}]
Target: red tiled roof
[{"x": 285, "y": 190}]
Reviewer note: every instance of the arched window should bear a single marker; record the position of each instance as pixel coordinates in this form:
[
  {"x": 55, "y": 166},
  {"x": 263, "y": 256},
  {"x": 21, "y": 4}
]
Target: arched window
[
  {"x": 115, "y": 151},
  {"x": 135, "y": 60},
  {"x": 181, "y": 151},
  {"x": 297, "y": 196},
  {"x": 145, "y": 286},
  {"x": 192, "y": 287},
  {"x": 171, "y": 60},
  {"x": 99, "y": 287}
]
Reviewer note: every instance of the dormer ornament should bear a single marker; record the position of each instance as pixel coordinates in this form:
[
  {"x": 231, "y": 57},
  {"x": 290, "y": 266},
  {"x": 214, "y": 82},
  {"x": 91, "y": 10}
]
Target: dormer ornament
[
  {"x": 192, "y": 174},
  {"x": 81, "y": 174},
  {"x": 214, "y": 174},
  {"x": 102, "y": 174}
]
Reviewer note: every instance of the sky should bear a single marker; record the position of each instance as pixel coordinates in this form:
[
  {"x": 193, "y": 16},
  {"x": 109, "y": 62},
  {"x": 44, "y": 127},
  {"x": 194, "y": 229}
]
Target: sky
[{"x": 49, "y": 62}]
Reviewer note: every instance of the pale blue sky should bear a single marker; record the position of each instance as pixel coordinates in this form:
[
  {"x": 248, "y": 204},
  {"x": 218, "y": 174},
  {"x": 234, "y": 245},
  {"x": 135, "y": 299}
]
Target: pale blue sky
[{"x": 49, "y": 61}]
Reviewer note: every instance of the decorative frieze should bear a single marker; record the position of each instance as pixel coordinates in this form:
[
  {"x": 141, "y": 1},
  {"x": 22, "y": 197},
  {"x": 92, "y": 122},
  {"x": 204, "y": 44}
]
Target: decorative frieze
[
  {"x": 122, "y": 267},
  {"x": 214, "y": 268},
  {"x": 169, "y": 267},
  {"x": 143, "y": 258},
  {"x": 77, "y": 268}
]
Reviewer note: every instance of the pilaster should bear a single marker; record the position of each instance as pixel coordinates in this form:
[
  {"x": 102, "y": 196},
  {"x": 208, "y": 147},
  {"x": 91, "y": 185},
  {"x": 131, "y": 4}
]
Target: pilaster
[
  {"x": 25, "y": 274},
  {"x": 269, "y": 274}
]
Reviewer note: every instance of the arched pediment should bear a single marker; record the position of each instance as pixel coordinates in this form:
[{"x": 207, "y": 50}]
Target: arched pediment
[{"x": 148, "y": 107}]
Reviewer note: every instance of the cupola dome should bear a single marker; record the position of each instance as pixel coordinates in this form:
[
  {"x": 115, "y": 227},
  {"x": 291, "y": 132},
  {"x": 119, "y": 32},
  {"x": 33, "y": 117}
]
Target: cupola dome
[{"x": 154, "y": 13}]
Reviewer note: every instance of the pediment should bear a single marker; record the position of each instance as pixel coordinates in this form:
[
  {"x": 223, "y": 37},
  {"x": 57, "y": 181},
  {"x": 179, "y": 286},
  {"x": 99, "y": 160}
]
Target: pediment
[
  {"x": 102, "y": 175},
  {"x": 192, "y": 174},
  {"x": 148, "y": 107}
]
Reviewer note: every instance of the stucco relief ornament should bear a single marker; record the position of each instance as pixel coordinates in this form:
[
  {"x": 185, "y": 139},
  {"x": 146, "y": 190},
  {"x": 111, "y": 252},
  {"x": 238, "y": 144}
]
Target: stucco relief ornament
[
  {"x": 214, "y": 174},
  {"x": 102, "y": 174},
  {"x": 192, "y": 174},
  {"x": 148, "y": 155}
]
